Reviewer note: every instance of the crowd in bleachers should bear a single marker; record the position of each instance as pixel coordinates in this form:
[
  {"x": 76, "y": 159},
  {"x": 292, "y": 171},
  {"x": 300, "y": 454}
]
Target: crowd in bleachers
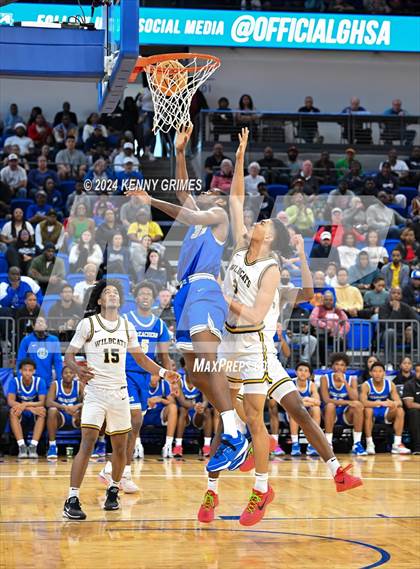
[{"x": 361, "y": 229}]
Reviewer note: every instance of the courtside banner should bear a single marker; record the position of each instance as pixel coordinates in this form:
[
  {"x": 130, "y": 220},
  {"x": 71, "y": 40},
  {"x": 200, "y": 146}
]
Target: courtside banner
[{"x": 164, "y": 26}]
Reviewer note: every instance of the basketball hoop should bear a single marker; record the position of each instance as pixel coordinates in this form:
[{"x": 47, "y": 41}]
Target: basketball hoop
[{"x": 173, "y": 79}]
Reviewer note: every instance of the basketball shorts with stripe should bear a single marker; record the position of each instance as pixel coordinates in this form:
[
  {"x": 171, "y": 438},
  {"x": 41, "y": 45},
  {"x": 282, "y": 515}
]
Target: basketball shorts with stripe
[{"x": 112, "y": 405}]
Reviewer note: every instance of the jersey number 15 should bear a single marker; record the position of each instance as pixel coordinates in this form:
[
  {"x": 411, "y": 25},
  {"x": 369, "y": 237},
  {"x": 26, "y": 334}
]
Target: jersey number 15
[{"x": 111, "y": 356}]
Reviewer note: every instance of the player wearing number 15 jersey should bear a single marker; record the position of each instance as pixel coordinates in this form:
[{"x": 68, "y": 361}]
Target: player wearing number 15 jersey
[{"x": 106, "y": 338}]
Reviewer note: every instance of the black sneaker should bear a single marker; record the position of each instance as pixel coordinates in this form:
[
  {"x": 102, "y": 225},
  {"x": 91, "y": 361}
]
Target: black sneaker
[
  {"x": 72, "y": 509},
  {"x": 112, "y": 501}
]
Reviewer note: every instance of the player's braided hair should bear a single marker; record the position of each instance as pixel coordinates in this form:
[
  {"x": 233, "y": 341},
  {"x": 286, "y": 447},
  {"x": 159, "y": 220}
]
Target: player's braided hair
[{"x": 93, "y": 307}]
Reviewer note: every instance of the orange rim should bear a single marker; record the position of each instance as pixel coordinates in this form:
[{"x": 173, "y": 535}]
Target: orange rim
[{"x": 143, "y": 62}]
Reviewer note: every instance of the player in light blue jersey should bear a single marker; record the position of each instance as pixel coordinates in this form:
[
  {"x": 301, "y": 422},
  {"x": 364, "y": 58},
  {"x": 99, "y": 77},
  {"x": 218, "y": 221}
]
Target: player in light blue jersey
[
  {"x": 341, "y": 399},
  {"x": 26, "y": 399},
  {"x": 64, "y": 403},
  {"x": 200, "y": 308},
  {"x": 311, "y": 400},
  {"x": 382, "y": 405}
]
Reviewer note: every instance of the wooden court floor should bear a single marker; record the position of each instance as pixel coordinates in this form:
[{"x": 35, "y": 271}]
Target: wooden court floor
[{"x": 307, "y": 525}]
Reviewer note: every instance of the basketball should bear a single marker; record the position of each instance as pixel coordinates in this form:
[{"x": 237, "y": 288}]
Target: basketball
[{"x": 170, "y": 77}]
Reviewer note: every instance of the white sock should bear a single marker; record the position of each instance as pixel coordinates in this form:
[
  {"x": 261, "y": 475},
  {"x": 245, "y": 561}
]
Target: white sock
[
  {"x": 369, "y": 440},
  {"x": 138, "y": 442},
  {"x": 114, "y": 483},
  {"x": 21, "y": 442},
  {"x": 169, "y": 441},
  {"x": 357, "y": 437},
  {"x": 127, "y": 471},
  {"x": 261, "y": 482},
  {"x": 101, "y": 439},
  {"x": 397, "y": 440},
  {"x": 240, "y": 425},
  {"x": 207, "y": 441},
  {"x": 295, "y": 438},
  {"x": 108, "y": 467},
  {"x": 229, "y": 423},
  {"x": 178, "y": 442},
  {"x": 329, "y": 437},
  {"x": 74, "y": 492},
  {"x": 52, "y": 443},
  {"x": 275, "y": 437},
  {"x": 212, "y": 484},
  {"x": 34, "y": 443},
  {"x": 333, "y": 465}
]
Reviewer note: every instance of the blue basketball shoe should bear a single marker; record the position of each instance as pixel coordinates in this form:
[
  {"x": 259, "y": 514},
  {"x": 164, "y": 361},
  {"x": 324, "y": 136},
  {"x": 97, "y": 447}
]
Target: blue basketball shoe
[
  {"x": 100, "y": 450},
  {"x": 228, "y": 453},
  {"x": 295, "y": 450},
  {"x": 52, "y": 452}
]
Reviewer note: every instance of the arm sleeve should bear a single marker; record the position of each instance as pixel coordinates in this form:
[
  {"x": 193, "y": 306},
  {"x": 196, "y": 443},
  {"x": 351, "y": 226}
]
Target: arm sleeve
[
  {"x": 133, "y": 341},
  {"x": 81, "y": 334}
]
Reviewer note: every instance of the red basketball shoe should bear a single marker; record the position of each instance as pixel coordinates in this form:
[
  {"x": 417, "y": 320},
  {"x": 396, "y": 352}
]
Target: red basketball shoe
[
  {"x": 249, "y": 463},
  {"x": 257, "y": 505},
  {"x": 206, "y": 511},
  {"x": 345, "y": 481}
]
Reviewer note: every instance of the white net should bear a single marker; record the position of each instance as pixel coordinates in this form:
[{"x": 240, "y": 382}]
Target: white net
[{"x": 173, "y": 83}]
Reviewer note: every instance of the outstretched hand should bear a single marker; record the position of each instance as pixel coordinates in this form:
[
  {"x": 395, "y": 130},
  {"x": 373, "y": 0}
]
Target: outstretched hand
[
  {"x": 243, "y": 141},
  {"x": 182, "y": 137},
  {"x": 143, "y": 196},
  {"x": 299, "y": 244}
]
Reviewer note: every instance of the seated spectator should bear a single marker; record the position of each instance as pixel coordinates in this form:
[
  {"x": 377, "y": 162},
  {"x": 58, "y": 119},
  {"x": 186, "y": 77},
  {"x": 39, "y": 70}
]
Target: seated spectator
[
  {"x": 14, "y": 290},
  {"x": 66, "y": 111},
  {"x": 273, "y": 169},
  {"x": 342, "y": 166},
  {"x": 355, "y": 216},
  {"x": 101, "y": 205},
  {"x": 40, "y": 131},
  {"x": 267, "y": 203},
  {"x": 308, "y": 128},
  {"x": 11, "y": 119},
  {"x": 71, "y": 163},
  {"x": 130, "y": 172},
  {"x": 106, "y": 231},
  {"x": 293, "y": 163},
  {"x": 409, "y": 247},
  {"x": 337, "y": 229},
  {"x": 349, "y": 297},
  {"x": 34, "y": 113},
  {"x": 398, "y": 167},
  {"x": 97, "y": 146},
  {"x": 358, "y": 133},
  {"x": 324, "y": 170},
  {"x": 222, "y": 119},
  {"x": 382, "y": 404},
  {"x": 26, "y": 399},
  {"x": 64, "y": 129},
  {"x": 406, "y": 372},
  {"x": 396, "y": 130},
  {"x": 49, "y": 231},
  {"x": 79, "y": 223},
  {"x": 48, "y": 270},
  {"x": 301, "y": 215},
  {"x": 54, "y": 195},
  {"x": 362, "y": 273},
  {"x": 331, "y": 324},
  {"x": 64, "y": 403},
  {"x": 144, "y": 227},
  {"x": 395, "y": 273},
  {"x": 85, "y": 251},
  {"x": 252, "y": 180},
  {"x": 14, "y": 176},
  {"x": 44, "y": 349},
  {"x": 11, "y": 229},
  {"x": 378, "y": 255},
  {"x": 117, "y": 256},
  {"x": 126, "y": 152},
  {"x": 38, "y": 176},
  {"x": 396, "y": 333},
  {"x": 129, "y": 211},
  {"x": 324, "y": 253},
  {"x": 247, "y": 115},
  {"x": 369, "y": 187},
  {"x": 413, "y": 163},
  {"x": 79, "y": 196},
  {"x": 384, "y": 220},
  {"x": 388, "y": 182},
  {"x": 377, "y": 296},
  {"x": 99, "y": 171},
  {"x": 311, "y": 184},
  {"x": 213, "y": 163},
  {"x": 65, "y": 314},
  {"x": 411, "y": 291},
  {"x": 138, "y": 253},
  {"x": 21, "y": 253},
  {"x": 26, "y": 316},
  {"x": 331, "y": 275},
  {"x": 38, "y": 211},
  {"x": 90, "y": 272},
  {"x": 341, "y": 197},
  {"x": 411, "y": 398},
  {"x": 355, "y": 180},
  {"x": 348, "y": 252},
  {"x": 92, "y": 122},
  {"x": 155, "y": 271},
  {"x": 164, "y": 309},
  {"x": 223, "y": 179},
  {"x": 26, "y": 145}
]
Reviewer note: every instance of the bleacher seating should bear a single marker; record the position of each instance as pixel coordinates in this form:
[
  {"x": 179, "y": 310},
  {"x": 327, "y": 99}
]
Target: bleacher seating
[{"x": 21, "y": 203}]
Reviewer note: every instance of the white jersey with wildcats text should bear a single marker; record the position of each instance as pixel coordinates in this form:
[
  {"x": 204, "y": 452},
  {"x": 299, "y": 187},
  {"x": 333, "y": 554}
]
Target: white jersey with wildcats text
[{"x": 105, "y": 343}]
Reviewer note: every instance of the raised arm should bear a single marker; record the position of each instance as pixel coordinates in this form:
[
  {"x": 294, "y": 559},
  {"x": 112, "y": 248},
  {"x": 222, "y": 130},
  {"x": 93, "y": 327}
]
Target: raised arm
[
  {"x": 237, "y": 192},
  {"x": 306, "y": 292},
  {"x": 182, "y": 138}
]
